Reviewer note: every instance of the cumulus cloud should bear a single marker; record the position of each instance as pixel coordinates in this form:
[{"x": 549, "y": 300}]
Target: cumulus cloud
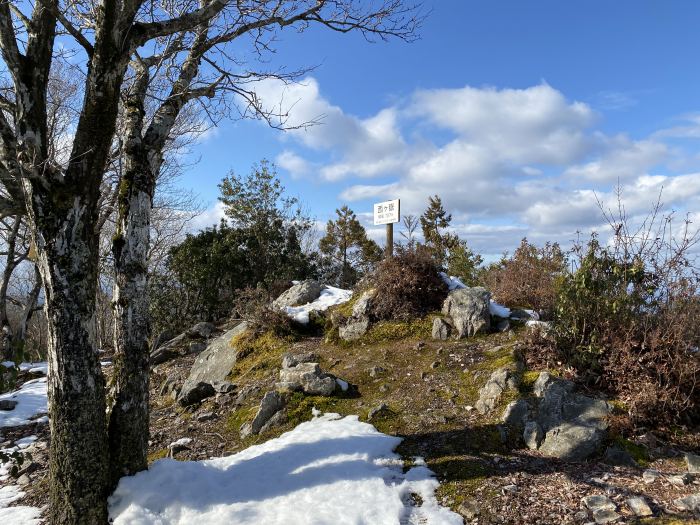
[{"x": 507, "y": 163}]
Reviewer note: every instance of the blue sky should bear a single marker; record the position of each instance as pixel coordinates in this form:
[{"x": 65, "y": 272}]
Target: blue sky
[{"x": 514, "y": 112}]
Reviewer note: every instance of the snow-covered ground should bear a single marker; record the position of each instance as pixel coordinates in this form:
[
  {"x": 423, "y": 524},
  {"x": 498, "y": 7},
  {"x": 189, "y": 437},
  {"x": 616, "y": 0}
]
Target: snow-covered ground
[
  {"x": 31, "y": 402},
  {"x": 330, "y": 296},
  {"x": 20, "y": 515},
  {"x": 331, "y": 470}
]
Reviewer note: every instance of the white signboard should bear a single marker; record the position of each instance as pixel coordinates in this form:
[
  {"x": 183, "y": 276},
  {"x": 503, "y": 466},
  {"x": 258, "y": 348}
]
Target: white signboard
[{"x": 387, "y": 212}]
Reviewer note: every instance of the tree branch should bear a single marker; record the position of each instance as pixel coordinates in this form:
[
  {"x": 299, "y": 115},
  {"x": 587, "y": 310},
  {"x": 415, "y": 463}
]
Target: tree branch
[{"x": 72, "y": 30}]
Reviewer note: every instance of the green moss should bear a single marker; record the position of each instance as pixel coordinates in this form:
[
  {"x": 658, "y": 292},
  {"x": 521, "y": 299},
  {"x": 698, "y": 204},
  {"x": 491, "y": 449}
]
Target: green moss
[
  {"x": 667, "y": 521},
  {"x": 638, "y": 452},
  {"x": 527, "y": 381},
  {"x": 387, "y": 331},
  {"x": 157, "y": 454},
  {"x": 235, "y": 421},
  {"x": 619, "y": 407},
  {"x": 460, "y": 477},
  {"x": 258, "y": 355}
]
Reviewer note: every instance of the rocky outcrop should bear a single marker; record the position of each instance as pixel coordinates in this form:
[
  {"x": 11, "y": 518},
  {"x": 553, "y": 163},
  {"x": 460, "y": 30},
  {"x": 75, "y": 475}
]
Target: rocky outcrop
[
  {"x": 211, "y": 368},
  {"x": 192, "y": 341},
  {"x": 441, "y": 329},
  {"x": 270, "y": 413},
  {"x": 490, "y": 394},
  {"x": 468, "y": 308},
  {"x": 302, "y": 373},
  {"x": 357, "y": 324},
  {"x": 559, "y": 421},
  {"x": 301, "y": 293}
]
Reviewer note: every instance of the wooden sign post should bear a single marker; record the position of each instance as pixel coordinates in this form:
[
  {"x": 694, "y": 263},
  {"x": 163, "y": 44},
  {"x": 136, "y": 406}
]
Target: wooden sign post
[{"x": 389, "y": 213}]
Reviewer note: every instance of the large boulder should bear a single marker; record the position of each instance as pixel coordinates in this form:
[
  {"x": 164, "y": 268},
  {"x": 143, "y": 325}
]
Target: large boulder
[
  {"x": 469, "y": 310},
  {"x": 441, "y": 329},
  {"x": 559, "y": 421},
  {"x": 272, "y": 403},
  {"x": 211, "y": 367},
  {"x": 302, "y": 293}
]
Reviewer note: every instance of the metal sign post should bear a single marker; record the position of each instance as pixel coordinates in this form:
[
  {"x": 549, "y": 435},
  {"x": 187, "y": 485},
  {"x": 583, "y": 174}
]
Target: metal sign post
[{"x": 389, "y": 213}]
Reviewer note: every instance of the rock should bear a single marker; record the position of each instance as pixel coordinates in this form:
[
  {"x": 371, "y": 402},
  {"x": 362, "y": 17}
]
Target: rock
[
  {"x": 516, "y": 414},
  {"x": 574, "y": 424},
  {"x": 619, "y": 457},
  {"x": 469, "y": 310},
  {"x": 205, "y": 416},
  {"x": 639, "y": 506},
  {"x": 23, "y": 480},
  {"x": 650, "y": 476},
  {"x": 434, "y": 364},
  {"x": 277, "y": 420},
  {"x": 272, "y": 402},
  {"x": 603, "y": 516},
  {"x": 693, "y": 462},
  {"x": 196, "y": 347},
  {"x": 7, "y": 404},
  {"x": 353, "y": 329},
  {"x": 681, "y": 480},
  {"x": 246, "y": 430},
  {"x": 195, "y": 393},
  {"x": 532, "y": 435},
  {"x": 598, "y": 502},
  {"x": 202, "y": 330},
  {"x": 302, "y": 293},
  {"x": 179, "y": 446},
  {"x": 168, "y": 350},
  {"x": 223, "y": 387},
  {"x": 376, "y": 371},
  {"x": 308, "y": 378},
  {"x": 245, "y": 393},
  {"x": 509, "y": 489},
  {"x": 490, "y": 393},
  {"x": 379, "y": 411},
  {"x": 290, "y": 360},
  {"x": 689, "y": 503},
  {"x": 420, "y": 345},
  {"x": 469, "y": 509},
  {"x": 211, "y": 366},
  {"x": 162, "y": 337},
  {"x": 441, "y": 329}
]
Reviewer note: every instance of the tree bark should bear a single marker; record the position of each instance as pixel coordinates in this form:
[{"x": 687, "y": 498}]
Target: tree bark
[
  {"x": 79, "y": 456},
  {"x": 129, "y": 416}
]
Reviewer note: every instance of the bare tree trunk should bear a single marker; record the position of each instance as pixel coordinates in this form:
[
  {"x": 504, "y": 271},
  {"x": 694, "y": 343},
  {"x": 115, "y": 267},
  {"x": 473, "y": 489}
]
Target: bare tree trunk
[
  {"x": 129, "y": 416},
  {"x": 6, "y": 336},
  {"x": 79, "y": 456},
  {"x": 30, "y": 306}
]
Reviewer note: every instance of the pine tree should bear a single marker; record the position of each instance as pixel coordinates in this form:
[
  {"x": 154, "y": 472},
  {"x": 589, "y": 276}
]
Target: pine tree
[
  {"x": 348, "y": 250},
  {"x": 433, "y": 220}
]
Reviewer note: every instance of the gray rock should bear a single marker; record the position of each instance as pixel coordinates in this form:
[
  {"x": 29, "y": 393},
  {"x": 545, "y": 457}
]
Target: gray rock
[
  {"x": 353, "y": 329},
  {"x": 572, "y": 442},
  {"x": 202, "y": 330},
  {"x": 598, "y": 502},
  {"x": 205, "y": 416},
  {"x": 532, "y": 435},
  {"x": 168, "y": 385},
  {"x": 469, "y": 310},
  {"x": 211, "y": 366},
  {"x": 603, "y": 516},
  {"x": 639, "y": 506},
  {"x": 272, "y": 402},
  {"x": 379, "y": 411},
  {"x": 246, "y": 430},
  {"x": 168, "y": 350},
  {"x": 308, "y": 378},
  {"x": 469, "y": 509},
  {"x": 689, "y": 503},
  {"x": 620, "y": 457},
  {"x": 574, "y": 424},
  {"x": 376, "y": 371},
  {"x": 196, "y": 347},
  {"x": 516, "y": 414},
  {"x": 693, "y": 462},
  {"x": 441, "y": 329},
  {"x": 223, "y": 387},
  {"x": 681, "y": 480},
  {"x": 23, "y": 480},
  {"x": 7, "y": 404},
  {"x": 490, "y": 393},
  {"x": 277, "y": 420},
  {"x": 303, "y": 293},
  {"x": 362, "y": 307},
  {"x": 163, "y": 337},
  {"x": 290, "y": 360},
  {"x": 650, "y": 476},
  {"x": 195, "y": 393}
]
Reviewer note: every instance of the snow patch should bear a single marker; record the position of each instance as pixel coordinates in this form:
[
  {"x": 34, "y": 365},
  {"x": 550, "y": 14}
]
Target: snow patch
[
  {"x": 454, "y": 283},
  {"x": 330, "y": 296},
  {"x": 342, "y": 384},
  {"x": 31, "y": 402},
  {"x": 20, "y": 515},
  {"x": 331, "y": 470},
  {"x": 180, "y": 442}
]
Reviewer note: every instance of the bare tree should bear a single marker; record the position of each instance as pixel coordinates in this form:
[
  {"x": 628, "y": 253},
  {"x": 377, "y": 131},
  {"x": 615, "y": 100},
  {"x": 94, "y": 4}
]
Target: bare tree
[{"x": 62, "y": 197}]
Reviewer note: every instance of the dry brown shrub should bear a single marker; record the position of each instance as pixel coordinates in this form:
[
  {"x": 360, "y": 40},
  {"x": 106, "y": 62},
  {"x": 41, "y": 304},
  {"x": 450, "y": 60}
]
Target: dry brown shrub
[
  {"x": 408, "y": 285},
  {"x": 254, "y": 305},
  {"x": 527, "y": 279}
]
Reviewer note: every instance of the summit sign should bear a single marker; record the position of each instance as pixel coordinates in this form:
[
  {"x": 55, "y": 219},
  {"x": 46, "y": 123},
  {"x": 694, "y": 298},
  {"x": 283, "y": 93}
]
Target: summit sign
[{"x": 388, "y": 212}]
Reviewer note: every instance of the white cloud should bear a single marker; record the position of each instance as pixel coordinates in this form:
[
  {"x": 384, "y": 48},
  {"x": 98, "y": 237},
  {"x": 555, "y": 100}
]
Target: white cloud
[
  {"x": 209, "y": 217},
  {"x": 293, "y": 163}
]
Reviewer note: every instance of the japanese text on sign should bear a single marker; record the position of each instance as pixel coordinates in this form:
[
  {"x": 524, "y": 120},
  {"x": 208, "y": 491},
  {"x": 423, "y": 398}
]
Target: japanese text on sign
[{"x": 387, "y": 212}]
